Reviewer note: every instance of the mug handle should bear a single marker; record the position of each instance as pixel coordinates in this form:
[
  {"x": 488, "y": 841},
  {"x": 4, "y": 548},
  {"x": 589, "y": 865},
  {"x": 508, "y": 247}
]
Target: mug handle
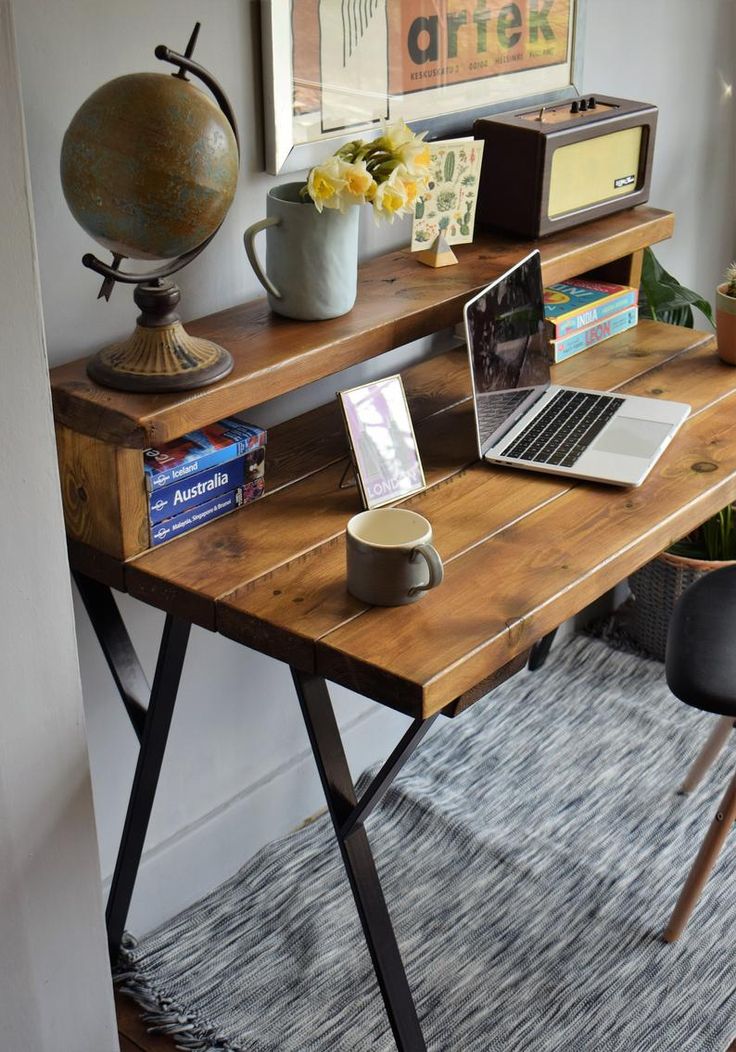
[
  {"x": 434, "y": 564},
  {"x": 250, "y": 251}
]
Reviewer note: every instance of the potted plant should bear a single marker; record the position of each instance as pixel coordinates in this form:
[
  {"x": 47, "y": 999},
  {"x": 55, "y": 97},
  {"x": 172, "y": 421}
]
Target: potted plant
[
  {"x": 726, "y": 317},
  {"x": 658, "y": 585}
]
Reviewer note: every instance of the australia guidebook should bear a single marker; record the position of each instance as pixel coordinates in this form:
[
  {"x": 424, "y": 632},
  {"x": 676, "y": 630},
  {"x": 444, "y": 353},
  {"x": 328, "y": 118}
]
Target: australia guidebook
[
  {"x": 160, "y": 532},
  {"x": 573, "y": 305},
  {"x": 209, "y": 447},
  {"x": 186, "y": 494}
]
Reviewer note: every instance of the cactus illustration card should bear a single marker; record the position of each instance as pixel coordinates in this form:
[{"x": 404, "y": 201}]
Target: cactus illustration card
[{"x": 448, "y": 206}]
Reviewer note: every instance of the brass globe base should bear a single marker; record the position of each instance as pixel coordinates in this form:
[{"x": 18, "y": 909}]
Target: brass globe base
[{"x": 161, "y": 358}]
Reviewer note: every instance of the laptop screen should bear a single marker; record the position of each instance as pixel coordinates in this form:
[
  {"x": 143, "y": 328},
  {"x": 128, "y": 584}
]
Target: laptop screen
[{"x": 504, "y": 326}]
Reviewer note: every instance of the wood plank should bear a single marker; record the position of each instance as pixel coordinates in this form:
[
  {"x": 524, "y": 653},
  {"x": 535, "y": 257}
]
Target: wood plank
[
  {"x": 103, "y": 494},
  {"x": 189, "y": 575},
  {"x": 398, "y": 301},
  {"x": 505, "y": 593},
  {"x": 284, "y": 612}
]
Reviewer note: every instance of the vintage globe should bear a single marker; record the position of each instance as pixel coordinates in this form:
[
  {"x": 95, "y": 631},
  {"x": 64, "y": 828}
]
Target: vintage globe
[{"x": 149, "y": 166}]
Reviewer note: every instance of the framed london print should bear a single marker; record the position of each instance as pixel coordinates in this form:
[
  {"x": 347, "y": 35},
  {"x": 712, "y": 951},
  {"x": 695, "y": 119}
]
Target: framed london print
[
  {"x": 382, "y": 442},
  {"x": 335, "y": 69}
]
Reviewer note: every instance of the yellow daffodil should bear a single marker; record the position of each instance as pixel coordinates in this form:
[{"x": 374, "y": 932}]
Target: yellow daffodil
[
  {"x": 359, "y": 183},
  {"x": 415, "y": 156},
  {"x": 391, "y": 173},
  {"x": 390, "y": 198},
  {"x": 326, "y": 183},
  {"x": 396, "y": 135}
]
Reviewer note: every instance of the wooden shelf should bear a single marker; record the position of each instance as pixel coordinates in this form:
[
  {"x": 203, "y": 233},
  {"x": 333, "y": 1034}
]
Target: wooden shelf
[{"x": 398, "y": 301}]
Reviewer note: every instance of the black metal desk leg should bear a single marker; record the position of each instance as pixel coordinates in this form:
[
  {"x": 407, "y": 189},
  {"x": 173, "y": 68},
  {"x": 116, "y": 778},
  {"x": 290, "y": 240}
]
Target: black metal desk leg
[
  {"x": 153, "y": 744},
  {"x": 347, "y": 814},
  {"x": 540, "y": 651}
]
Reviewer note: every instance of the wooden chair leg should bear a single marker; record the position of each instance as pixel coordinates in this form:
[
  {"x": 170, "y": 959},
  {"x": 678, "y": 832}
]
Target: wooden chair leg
[
  {"x": 703, "y": 864},
  {"x": 708, "y": 754}
]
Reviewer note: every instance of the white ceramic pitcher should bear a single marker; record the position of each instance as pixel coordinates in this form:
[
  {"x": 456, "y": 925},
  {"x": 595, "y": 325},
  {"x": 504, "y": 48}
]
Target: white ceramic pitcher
[{"x": 311, "y": 268}]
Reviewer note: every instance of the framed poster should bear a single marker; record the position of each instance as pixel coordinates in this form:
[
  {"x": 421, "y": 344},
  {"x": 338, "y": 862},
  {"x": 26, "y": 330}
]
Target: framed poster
[
  {"x": 335, "y": 69},
  {"x": 382, "y": 441}
]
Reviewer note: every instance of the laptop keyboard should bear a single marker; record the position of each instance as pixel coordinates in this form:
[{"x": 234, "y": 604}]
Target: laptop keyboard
[{"x": 564, "y": 429}]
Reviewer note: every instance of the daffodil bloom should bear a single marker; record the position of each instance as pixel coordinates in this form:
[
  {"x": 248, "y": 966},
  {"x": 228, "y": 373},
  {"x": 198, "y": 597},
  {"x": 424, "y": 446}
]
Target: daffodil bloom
[
  {"x": 326, "y": 183},
  {"x": 391, "y": 173},
  {"x": 390, "y": 198},
  {"x": 396, "y": 135},
  {"x": 359, "y": 182},
  {"x": 414, "y": 186},
  {"x": 415, "y": 156}
]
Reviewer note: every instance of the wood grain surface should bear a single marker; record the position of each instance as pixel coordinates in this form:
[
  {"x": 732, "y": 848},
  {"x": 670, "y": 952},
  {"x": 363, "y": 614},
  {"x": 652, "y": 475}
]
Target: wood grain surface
[
  {"x": 398, "y": 301},
  {"x": 190, "y": 575}
]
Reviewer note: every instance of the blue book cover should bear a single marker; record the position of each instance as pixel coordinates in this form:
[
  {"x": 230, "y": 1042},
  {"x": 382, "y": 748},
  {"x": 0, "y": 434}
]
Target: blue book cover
[
  {"x": 595, "y": 333},
  {"x": 209, "y": 511},
  {"x": 209, "y": 447},
  {"x": 205, "y": 485},
  {"x": 573, "y": 305}
]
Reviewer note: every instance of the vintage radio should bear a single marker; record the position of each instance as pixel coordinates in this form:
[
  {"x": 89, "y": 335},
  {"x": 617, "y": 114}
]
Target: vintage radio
[{"x": 554, "y": 166}]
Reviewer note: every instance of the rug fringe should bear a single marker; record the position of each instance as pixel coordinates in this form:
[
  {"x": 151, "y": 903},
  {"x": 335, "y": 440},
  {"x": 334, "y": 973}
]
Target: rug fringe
[{"x": 164, "y": 1015}]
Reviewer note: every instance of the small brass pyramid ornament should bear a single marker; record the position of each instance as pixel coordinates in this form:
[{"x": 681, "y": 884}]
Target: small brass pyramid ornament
[{"x": 439, "y": 254}]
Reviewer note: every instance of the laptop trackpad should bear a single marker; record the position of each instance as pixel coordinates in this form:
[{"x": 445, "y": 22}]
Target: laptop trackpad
[{"x": 635, "y": 438}]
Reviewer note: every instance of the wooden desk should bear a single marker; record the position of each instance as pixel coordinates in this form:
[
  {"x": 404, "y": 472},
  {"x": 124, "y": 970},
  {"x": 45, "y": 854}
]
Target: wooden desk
[{"x": 523, "y": 552}]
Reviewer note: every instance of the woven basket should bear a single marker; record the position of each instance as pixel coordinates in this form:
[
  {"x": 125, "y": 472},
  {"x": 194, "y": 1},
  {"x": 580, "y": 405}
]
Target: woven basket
[{"x": 656, "y": 587}]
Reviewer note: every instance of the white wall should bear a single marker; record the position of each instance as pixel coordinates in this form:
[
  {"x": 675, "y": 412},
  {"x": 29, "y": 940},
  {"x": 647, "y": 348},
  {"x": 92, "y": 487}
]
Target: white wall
[
  {"x": 238, "y": 770},
  {"x": 55, "y": 989}
]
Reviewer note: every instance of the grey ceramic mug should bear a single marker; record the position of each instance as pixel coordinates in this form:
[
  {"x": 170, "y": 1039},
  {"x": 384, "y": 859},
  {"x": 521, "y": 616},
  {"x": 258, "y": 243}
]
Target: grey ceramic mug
[
  {"x": 311, "y": 268},
  {"x": 390, "y": 557}
]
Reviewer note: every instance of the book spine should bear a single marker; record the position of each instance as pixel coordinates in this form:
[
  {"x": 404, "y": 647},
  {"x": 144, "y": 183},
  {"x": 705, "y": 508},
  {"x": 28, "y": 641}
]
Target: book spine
[
  {"x": 595, "y": 333},
  {"x": 206, "y": 485},
  {"x": 161, "y": 532},
  {"x": 215, "y": 458},
  {"x": 597, "y": 312}
]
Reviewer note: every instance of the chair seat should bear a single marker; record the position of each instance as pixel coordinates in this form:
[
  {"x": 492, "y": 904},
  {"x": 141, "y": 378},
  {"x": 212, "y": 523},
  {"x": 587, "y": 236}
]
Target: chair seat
[{"x": 700, "y": 662}]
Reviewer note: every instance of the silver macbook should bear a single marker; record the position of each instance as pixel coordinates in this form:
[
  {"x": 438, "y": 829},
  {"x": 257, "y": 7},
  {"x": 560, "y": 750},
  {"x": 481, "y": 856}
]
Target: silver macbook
[{"x": 525, "y": 421}]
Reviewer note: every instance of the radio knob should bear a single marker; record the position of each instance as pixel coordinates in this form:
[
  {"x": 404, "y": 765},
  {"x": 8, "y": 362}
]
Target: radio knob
[
  {"x": 574, "y": 108},
  {"x": 583, "y": 105},
  {"x": 591, "y": 102}
]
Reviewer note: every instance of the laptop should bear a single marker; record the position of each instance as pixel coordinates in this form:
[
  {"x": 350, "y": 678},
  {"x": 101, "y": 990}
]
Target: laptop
[{"x": 526, "y": 421}]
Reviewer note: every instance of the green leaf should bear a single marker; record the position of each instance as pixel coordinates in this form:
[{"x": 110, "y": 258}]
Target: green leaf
[{"x": 663, "y": 298}]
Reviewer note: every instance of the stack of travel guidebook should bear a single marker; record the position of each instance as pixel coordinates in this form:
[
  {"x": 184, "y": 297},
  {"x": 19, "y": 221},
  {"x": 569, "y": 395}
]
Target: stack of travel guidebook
[
  {"x": 202, "y": 476},
  {"x": 581, "y": 313}
]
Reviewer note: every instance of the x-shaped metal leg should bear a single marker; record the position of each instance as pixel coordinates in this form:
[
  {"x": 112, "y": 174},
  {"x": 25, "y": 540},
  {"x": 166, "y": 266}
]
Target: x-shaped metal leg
[
  {"x": 348, "y": 814},
  {"x": 151, "y": 725}
]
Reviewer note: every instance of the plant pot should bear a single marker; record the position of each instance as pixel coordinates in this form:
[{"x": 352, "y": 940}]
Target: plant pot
[
  {"x": 726, "y": 325},
  {"x": 656, "y": 587},
  {"x": 311, "y": 270}
]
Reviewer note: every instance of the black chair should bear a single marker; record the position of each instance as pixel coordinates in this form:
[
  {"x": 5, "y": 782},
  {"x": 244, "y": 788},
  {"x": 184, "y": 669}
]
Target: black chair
[{"x": 700, "y": 666}]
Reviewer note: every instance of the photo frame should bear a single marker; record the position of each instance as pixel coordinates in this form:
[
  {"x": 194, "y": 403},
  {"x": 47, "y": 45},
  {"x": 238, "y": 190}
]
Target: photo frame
[
  {"x": 435, "y": 63},
  {"x": 382, "y": 441}
]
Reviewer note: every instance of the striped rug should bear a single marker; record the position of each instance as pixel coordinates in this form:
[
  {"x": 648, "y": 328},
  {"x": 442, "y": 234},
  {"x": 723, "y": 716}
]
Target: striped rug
[{"x": 531, "y": 852}]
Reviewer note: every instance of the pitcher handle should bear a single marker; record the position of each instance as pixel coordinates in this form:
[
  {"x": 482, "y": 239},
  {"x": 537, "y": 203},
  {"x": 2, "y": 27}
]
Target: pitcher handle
[
  {"x": 434, "y": 564},
  {"x": 250, "y": 251}
]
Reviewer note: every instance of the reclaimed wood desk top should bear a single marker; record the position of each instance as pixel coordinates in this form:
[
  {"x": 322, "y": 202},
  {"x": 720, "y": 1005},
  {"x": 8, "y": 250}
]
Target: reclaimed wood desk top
[{"x": 522, "y": 551}]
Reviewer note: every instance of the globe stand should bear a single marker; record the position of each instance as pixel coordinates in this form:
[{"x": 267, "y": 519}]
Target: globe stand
[{"x": 159, "y": 355}]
